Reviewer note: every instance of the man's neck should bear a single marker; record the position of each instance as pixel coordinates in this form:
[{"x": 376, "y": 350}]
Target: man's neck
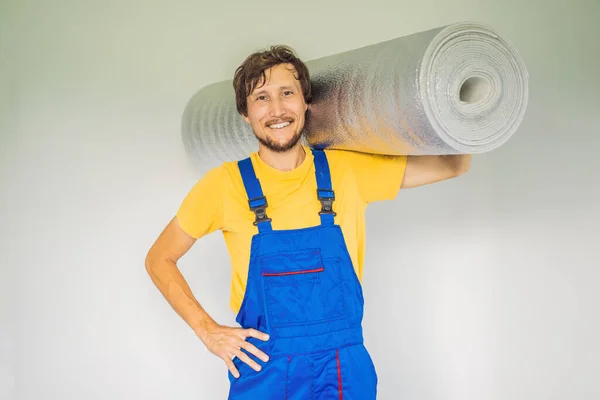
[{"x": 286, "y": 161}]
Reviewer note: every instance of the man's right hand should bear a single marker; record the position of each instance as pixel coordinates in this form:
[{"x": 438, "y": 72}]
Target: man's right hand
[{"x": 226, "y": 342}]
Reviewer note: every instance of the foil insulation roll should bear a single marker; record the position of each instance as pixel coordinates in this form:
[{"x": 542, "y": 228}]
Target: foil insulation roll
[{"x": 457, "y": 89}]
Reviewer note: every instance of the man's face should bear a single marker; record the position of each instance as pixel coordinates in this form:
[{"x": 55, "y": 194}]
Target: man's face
[{"x": 276, "y": 109}]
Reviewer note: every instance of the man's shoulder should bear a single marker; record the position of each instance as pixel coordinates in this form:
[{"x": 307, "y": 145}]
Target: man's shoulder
[
  {"x": 340, "y": 158},
  {"x": 228, "y": 167},
  {"x": 336, "y": 154},
  {"x": 219, "y": 175}
]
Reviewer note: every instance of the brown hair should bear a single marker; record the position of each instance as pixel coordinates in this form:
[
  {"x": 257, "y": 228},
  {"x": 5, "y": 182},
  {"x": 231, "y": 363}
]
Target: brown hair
[{"x": 252, "y": 71}]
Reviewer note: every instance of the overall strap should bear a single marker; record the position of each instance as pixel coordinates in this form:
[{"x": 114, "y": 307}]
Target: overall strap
[
  {"x": 325, "y": 192},
  {"x": 256, "y": 200}
]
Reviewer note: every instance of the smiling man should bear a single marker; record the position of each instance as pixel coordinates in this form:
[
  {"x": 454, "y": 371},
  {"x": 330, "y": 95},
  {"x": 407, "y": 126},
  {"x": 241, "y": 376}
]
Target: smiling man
[
  {"x": 293, "y": 219},
  {"x": 276, "y": 123}
]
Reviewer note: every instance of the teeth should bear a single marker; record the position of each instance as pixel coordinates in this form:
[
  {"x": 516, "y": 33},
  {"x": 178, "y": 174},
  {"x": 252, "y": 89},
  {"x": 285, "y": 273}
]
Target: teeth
[{"x": 279, "y": 126}]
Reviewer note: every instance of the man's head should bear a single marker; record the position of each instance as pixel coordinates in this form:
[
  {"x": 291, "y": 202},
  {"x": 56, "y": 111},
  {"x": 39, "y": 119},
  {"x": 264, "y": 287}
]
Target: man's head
[{"x": 272, "y": 90}]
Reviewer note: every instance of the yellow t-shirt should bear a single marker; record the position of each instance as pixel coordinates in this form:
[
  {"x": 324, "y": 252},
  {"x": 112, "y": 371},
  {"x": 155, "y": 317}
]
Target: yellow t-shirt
[{"x": 218, "y": 201}]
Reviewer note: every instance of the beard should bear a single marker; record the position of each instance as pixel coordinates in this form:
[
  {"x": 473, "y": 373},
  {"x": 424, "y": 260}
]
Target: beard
[{"x": 280, "y": 147}]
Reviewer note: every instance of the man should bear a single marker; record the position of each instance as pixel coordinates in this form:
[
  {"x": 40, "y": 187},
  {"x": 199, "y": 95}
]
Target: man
[{"x": 294, "y": 224}]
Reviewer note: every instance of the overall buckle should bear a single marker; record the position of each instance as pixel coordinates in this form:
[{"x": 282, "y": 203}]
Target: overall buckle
[
  {"x": 326, "y": 201},
  {"x": 259, "y": 210}
]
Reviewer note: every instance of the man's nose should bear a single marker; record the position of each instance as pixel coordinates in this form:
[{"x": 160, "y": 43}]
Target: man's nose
[{"x": 277, "y": 108}]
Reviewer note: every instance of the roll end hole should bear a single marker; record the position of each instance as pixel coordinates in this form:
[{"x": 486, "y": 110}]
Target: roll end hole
[{"x": 474, "y": 90}]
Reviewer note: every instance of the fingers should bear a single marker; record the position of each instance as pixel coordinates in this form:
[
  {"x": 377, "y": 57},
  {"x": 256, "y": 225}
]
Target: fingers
[
  {"x": 250, "y": 348},
  {"x": 230, "y": 342},
  {"x": 231, "y": 367},
  {"x": 256, "y": 334},
  {"x": 244, "y": 358}
]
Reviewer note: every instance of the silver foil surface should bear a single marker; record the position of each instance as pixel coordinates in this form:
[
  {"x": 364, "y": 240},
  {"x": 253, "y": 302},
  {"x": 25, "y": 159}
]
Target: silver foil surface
[{"x": 460, "y": 88}]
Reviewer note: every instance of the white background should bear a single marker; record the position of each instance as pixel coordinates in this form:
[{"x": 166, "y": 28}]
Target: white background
[{"x": 484, "y": 287}]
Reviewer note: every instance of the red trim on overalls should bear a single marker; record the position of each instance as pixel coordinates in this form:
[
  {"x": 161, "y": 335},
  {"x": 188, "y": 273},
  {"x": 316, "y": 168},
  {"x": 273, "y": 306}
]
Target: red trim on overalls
[
  {"x": 339, "y": 368},
  {"x": 307, "y": 271}
]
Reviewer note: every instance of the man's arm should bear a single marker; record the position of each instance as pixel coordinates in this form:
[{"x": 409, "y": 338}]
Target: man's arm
[
  {"x": 423, "y": 170},
  {"x": 161, "y": 264}
]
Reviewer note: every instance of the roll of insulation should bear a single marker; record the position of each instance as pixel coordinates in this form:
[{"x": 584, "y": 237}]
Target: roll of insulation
[{"x": 457, "y": 89}]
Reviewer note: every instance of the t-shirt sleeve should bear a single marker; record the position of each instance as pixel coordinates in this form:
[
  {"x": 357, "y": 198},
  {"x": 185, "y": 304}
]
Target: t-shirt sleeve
[
  {"x": 201, "y": 211},
  {"x": 379, "y": 177}
]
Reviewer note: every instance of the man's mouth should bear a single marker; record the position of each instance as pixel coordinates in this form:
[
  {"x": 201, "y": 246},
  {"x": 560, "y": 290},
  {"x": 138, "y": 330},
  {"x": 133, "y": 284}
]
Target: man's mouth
[{"x": 280, "y": 125}]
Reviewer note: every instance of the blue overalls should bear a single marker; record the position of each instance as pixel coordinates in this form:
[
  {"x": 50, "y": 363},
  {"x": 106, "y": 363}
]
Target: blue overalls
[{"x": 303, "y": 291}]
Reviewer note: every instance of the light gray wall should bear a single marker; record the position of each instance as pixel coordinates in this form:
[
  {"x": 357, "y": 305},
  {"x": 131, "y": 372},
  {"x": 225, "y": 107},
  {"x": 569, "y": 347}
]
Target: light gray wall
[{"x": 485, "y": 287}]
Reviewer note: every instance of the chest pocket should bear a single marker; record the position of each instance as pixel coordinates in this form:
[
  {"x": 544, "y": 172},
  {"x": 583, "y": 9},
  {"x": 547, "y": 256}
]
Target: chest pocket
[{"x": 301, "y": 290}]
